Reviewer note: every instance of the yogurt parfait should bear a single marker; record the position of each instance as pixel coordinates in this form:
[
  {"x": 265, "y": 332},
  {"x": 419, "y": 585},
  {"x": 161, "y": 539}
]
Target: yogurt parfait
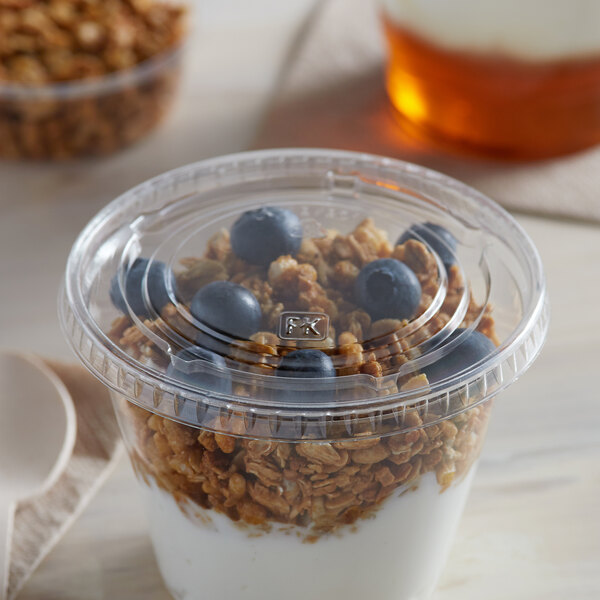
[{"x": 302, "y": 348}]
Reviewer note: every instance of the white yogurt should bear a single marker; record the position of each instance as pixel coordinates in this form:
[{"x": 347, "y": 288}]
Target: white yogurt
[
  {"x": 528, "y": 29},
  {"x": 396, "y": 555}
]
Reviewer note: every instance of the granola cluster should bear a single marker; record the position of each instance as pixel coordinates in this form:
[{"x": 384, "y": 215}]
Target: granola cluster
[
  {"x": 48, "y": 42},
  {"x": 319, "y": 279},
  {"x": 319, "y": 486}
]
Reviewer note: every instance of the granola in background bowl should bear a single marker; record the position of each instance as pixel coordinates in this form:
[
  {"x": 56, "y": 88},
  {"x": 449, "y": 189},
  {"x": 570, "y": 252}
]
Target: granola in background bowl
[{"x": 82, "y": 78}]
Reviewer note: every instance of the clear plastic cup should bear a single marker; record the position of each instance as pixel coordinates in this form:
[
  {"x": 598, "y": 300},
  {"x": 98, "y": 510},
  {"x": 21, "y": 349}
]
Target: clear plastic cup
[{"x": 266, "y": 474}]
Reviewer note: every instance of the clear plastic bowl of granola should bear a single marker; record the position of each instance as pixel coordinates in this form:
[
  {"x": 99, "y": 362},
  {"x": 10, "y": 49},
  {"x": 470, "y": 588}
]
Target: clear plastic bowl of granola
[
  {"x": 340, "y": 478},
  {"x": 73, "y": 87}
]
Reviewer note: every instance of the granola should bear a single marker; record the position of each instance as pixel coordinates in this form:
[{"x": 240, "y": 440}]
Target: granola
[
  {"x": 319, "y": 486},
  {"x": 49, "y": 50}
]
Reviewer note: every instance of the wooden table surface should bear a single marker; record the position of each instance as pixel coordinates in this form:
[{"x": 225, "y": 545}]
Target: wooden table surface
[{"x": 531, "y": 529}]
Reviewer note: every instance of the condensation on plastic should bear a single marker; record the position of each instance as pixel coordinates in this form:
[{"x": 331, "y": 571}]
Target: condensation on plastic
[{"x": 174, "y": 215}]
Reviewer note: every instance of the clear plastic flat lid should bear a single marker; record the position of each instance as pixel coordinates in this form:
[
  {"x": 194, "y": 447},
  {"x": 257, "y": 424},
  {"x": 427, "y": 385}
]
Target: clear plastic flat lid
[{"x": 269, "y": 293}]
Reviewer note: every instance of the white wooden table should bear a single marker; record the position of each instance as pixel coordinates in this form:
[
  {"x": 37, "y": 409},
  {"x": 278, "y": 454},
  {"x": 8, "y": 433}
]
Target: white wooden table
[{"x": 531, "y": 529}]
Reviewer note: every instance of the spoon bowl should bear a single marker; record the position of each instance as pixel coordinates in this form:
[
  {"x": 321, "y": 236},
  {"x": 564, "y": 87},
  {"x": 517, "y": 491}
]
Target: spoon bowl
[{"x": 37, "y": 435}]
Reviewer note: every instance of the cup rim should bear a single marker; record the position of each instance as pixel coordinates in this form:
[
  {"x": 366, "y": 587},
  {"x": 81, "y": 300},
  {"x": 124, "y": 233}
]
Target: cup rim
[{"x": 77, "y": 88}]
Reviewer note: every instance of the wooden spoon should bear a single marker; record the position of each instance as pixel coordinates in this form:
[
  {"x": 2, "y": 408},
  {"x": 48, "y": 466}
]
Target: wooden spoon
[{"x": 37, "y": 434}]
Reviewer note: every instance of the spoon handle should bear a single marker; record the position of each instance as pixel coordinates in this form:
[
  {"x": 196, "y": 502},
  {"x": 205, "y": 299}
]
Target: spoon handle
[{"x": 6, "y": 525}]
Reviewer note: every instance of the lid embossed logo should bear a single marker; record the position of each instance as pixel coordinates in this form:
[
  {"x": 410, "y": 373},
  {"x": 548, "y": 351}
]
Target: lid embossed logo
[{"x": 303, "y": 326}]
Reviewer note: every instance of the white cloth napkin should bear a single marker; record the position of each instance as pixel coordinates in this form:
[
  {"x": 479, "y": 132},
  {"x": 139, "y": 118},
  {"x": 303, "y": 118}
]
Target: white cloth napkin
[
  {"x": 40, "y": 522},
  {"x": 331, "y": 95}
]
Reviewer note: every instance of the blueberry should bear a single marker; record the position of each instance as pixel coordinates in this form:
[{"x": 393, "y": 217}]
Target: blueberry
[
  {"x": 158, "y": 277},
  {"x": 260, "y": 236},
  {"x": 228, "y": 308},
  {"x": 441, "y": 241},
  {"x": 387, "y": 289},
  {"x": 305, "y": 364},
  {"x": 474, "y": 347},
  {"x": 190, "y": 367}
]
